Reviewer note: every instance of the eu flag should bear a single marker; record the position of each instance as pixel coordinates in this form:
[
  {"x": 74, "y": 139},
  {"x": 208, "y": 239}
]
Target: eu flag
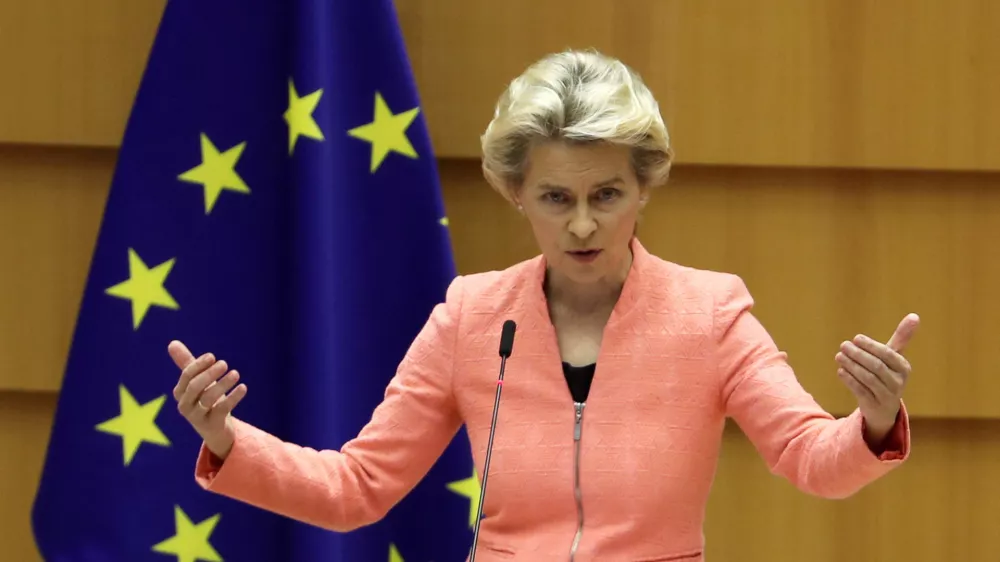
[{"x": 276, "y": 203}]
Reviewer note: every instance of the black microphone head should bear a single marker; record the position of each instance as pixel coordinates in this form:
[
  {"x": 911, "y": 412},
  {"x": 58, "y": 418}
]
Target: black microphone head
[{"x": 507, "y": 338}]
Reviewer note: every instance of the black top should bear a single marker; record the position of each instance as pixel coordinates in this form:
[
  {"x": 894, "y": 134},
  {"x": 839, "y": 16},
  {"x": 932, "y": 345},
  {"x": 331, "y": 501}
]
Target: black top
[{"x": 579, "y": 379}]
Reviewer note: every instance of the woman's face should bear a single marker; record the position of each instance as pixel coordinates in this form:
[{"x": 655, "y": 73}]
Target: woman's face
[{"x": 582, "y": 202}]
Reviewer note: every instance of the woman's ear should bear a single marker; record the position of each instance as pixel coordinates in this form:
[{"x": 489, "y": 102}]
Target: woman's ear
[
  {"x": 644, "y": 193},
  {"x": 515, "y": 198}
]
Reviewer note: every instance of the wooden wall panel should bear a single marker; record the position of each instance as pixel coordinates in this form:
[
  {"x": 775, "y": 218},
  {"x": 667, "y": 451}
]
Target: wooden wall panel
[
  {"x": 896, "y": 84},
  {"x": 935, "y": 508},
  {"x": 70, "y": 69},
  {"x": 25, "y": 419},
  {"x": 51, "y": 202}
]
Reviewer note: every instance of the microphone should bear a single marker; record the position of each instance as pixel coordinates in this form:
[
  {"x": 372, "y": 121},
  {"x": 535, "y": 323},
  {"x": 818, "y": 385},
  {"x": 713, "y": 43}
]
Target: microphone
[{"x": 506, "y": 348}]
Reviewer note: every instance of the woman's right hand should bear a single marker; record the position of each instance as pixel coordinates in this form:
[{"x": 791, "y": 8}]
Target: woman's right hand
[{"x": 202, "y": 397}]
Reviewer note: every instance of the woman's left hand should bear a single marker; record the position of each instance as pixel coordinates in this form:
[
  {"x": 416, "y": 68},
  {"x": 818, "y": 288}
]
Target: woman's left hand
[{"x": 876, "y": 373}]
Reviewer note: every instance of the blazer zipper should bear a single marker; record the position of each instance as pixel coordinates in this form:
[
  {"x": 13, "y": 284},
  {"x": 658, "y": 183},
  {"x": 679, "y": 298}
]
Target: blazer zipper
[{"x": 577, "y": 432}]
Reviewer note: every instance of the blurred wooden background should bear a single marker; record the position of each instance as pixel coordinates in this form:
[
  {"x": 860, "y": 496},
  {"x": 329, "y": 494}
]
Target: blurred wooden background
[{"x": 842, "y": 156}]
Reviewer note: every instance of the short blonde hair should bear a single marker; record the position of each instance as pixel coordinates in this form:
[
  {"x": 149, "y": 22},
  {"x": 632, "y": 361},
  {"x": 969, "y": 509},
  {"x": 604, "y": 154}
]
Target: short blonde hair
[{"x": 578, "y": 97}]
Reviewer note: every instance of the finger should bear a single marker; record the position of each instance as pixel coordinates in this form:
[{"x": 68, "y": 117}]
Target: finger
[
  {"x": 217, "y": 389},
  {"x": 868, "y": 379},
  {"x": 901, "y": 337},
  {"x": 883, "y": 353},
  {"x": 892, "y": 380},
  {"x": 180, "y": 354},
  {"x": 860, "y": 391},
  {"x": 225, "y": 406},
  {"x": 192, "y": 370},
  {"x": 188, "y": 402}
]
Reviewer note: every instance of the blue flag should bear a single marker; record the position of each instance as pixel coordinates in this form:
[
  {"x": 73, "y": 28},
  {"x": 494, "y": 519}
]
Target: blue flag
[{"x": 275, "y": 202}]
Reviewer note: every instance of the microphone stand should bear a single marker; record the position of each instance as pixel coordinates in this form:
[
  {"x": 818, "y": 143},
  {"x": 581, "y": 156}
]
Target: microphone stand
[{"x": 506, "y": 345}]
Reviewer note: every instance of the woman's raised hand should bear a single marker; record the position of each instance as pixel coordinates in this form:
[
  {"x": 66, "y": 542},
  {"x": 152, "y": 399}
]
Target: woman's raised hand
[
  {"x": 203, "y": 398},
  {"x": 877, "y": 373}
]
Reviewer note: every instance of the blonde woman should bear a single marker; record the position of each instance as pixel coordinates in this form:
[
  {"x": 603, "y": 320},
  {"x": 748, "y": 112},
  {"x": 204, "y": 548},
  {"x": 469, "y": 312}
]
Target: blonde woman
[{"x": 624, "y": 370}]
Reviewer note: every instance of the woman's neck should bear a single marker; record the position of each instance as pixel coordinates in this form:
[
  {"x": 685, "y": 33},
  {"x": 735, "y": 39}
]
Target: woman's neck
[{"x": 585, "y": 298}]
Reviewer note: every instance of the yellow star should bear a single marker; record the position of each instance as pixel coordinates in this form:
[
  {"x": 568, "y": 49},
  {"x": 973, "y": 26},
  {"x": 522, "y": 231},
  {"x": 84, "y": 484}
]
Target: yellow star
[
  {"x": 191, "y": 541},
  {"x": 299, "y": 116},
  {"x": 216, "y": 171},
  {"x": 469, "y": 488},
  {"x": 144, "y": 287},
  {"x": 387, "y": 132},
  {"x": 135, "y": 424},
  {"x": 394, "y": 555},
  {"x": 443, "y": 221}
]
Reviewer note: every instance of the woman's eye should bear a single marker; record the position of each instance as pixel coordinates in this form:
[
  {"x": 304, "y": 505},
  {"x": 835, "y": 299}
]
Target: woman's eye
[
  {"x": 607, "y": 194},
  {"x": 555, "y": 197}
]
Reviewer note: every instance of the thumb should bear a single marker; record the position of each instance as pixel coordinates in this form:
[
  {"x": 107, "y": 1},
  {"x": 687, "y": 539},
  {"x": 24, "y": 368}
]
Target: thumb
[
  {"x": 180, "y": 354},
  {"x": 901, "y": 337}
]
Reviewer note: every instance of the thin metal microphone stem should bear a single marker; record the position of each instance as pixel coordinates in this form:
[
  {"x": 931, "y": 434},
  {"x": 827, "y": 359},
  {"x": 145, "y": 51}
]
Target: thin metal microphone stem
[{"x": 489, "y": 452}]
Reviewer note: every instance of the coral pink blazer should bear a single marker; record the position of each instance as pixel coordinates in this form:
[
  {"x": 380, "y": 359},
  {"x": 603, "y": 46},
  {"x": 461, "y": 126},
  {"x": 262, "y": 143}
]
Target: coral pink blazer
[{"x": 680, "y": 353}]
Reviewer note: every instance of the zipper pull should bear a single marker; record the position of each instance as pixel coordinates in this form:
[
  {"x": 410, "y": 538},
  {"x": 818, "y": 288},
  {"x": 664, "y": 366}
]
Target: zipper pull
[{"x": 577, "y": 430}]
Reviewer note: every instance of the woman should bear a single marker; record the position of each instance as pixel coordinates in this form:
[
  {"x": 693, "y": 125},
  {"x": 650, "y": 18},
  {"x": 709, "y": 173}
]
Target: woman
[{"x": 624, "y": 370}]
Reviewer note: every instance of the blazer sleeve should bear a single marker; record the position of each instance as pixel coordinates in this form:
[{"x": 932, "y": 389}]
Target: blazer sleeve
[
  {"x": 797, "y": 438},
  {"x": 357, "y": 485}
]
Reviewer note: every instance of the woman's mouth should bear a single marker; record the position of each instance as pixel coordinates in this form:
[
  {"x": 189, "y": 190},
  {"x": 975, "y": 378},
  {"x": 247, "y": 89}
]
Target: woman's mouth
[{"x": 584, "y": 256}]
